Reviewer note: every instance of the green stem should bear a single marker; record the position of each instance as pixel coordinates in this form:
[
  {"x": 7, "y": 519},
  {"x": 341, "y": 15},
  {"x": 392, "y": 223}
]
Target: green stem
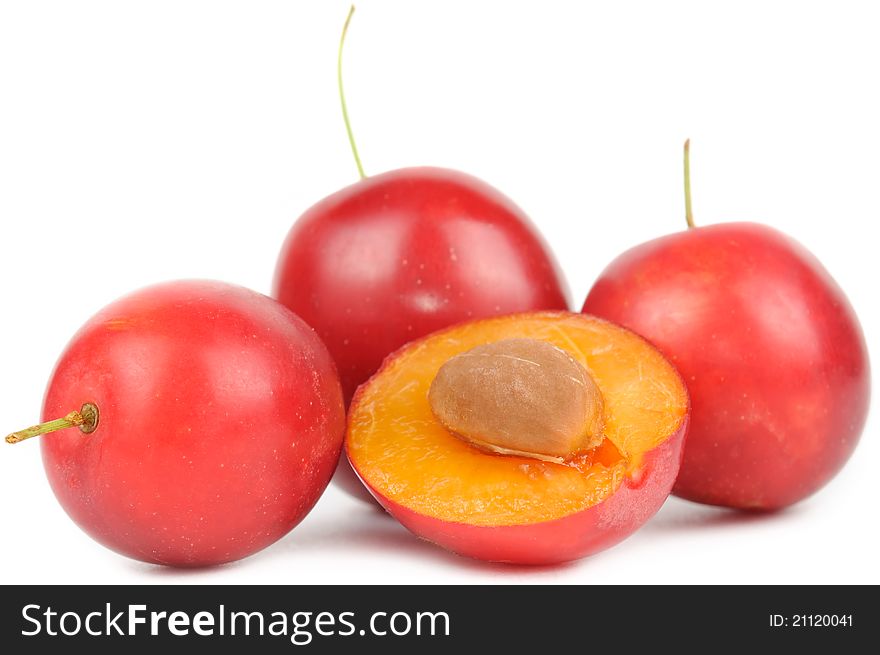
[
  {"x": 688, "y": 211},
  {"x": 86, "y": 419},
  {"x": 354, "y": 150}
]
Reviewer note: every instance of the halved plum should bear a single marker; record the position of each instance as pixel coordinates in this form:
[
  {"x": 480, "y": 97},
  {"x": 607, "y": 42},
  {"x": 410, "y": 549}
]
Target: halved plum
[{"x": 521, "y": 508}]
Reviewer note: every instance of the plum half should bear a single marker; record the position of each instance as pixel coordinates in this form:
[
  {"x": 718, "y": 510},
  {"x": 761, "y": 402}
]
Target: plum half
[{"x": 522, "y": 508}]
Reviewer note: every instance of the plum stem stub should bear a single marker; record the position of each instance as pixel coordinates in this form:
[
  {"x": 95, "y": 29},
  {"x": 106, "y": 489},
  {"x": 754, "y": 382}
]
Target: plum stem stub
[
  {"x": 86, "y": 419},
  {"x": 688, "y": 210}
]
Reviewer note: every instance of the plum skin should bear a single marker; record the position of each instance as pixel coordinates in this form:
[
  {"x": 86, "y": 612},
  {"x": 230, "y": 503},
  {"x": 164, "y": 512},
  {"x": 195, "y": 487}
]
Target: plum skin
[
  {"x": 221, "y": 422},
  {"x": 771, "y": 351},
  {"x": 402, "y": 254}
]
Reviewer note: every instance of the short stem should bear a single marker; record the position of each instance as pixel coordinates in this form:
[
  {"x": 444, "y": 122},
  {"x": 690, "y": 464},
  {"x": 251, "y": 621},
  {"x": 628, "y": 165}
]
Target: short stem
[
  {"x": 86, "y": 419},
  {"x": 354, "y": 150},
  {"x": 688, "y": 211}
]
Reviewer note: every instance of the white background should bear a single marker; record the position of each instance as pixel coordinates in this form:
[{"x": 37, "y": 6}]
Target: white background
[{"x": 148, "y": 141}]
